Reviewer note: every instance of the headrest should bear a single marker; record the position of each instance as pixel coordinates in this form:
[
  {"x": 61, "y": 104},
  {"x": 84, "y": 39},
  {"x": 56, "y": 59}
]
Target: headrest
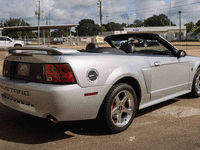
[
  {"x": 127, "y": 48},
  {"x": 91, "y": 46}
]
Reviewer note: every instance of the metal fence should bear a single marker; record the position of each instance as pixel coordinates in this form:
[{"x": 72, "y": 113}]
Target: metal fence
[{"x": 66, "y": 40}]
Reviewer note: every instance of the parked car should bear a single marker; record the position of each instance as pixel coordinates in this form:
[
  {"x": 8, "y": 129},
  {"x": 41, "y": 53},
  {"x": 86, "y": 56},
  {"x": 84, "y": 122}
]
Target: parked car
[
  {"x": 104, "y": 83},
  {"x": 143, "y": 42},
  {"x": 6, "y": 41},
  {"x": 58, "y": 40},
  {"x": 119, "y": 43}
]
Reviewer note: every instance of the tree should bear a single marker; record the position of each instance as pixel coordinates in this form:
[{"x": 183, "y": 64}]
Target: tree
[
  {"x": 198, "y": 23},
  {"x": 60, "y": 32},
  {"x": 16, "y": 22},
  {"x": 1, "y": 24},
  {"x": 197, "y": 31},
  {"x": 124, "y": 25},
  {"x": 87, "y": 27},
  {"x": 112, "y": 26},
  {"x": 130, "y": 25},
  {"x": 160, "y": 20},
  {"x": 190, "y": 27},
  {"x": 193, "y": 28},
  {"x": 103, "y": 28},
  {"x": 138, "y": 23}
]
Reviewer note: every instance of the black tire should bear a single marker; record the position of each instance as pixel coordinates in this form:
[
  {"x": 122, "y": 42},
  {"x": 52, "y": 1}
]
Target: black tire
[
  {"x": 196, "y": 84},
  {"x": 116, "y": 116},
  {"x": 18, "y": 45}
]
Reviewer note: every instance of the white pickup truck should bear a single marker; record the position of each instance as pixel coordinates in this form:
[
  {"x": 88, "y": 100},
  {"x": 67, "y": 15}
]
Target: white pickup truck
[{"x": 6, "y": 41}]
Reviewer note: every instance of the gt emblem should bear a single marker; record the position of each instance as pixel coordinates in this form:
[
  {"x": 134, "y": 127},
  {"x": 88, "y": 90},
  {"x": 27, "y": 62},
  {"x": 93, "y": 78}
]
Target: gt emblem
[{"x": 92, "y": 75}]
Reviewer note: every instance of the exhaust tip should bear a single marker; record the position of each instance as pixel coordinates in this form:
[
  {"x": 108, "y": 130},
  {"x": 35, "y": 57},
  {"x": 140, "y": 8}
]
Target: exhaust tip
[{"x": 52, "y": 119}]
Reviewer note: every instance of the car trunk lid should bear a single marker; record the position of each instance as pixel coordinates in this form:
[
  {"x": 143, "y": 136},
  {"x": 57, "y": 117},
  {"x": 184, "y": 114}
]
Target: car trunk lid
[{"x": 29, "y": 64}]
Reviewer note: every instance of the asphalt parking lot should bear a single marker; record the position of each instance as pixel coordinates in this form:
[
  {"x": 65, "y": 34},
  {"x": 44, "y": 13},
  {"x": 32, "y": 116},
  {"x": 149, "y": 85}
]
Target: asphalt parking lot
[
  {"x": 170, "y": 125},
  {"x": 174, "y": 124}
]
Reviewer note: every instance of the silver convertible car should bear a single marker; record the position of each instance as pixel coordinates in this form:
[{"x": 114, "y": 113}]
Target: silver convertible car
[{"x": 108, "y": 84}]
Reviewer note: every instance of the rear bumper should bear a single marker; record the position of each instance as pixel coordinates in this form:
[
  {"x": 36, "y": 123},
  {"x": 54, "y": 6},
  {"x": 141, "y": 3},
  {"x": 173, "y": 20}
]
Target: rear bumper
[{"x": 63, "y": 102}]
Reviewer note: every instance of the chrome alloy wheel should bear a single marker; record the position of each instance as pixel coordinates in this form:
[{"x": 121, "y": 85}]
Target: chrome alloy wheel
[
  {"x": 197, "y": 83},
  {"x": 122, "y": 108}
]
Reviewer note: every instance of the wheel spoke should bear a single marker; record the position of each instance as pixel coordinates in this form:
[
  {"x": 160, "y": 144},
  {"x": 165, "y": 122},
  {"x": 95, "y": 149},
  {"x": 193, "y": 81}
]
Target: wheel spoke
[
  {"x": 125, "y": 98},
  {"x": 125, "y": 110},
  {"x": 114, "y": 111},
  {"x": 197, "y": 86},
  {"x": 117, "y": 100},
  {"x": 197, "y": 80},
  {"x": 119, "y": 117}
]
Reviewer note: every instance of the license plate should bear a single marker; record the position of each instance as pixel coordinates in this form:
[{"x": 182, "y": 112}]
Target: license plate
[{"x": 23, "y": 69}]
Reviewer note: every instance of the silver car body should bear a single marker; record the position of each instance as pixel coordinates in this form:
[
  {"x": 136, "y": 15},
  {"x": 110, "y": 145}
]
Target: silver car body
[{"x": 159, "y": 78}]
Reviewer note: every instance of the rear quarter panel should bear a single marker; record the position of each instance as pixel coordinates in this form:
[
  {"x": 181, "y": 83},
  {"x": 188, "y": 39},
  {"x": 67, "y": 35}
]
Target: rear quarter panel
[{"x": 111, "y": 68}]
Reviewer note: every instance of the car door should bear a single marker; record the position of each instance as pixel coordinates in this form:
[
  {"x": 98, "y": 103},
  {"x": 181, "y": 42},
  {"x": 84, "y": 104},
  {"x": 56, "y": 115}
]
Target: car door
[
  {"x": 170, "y": 75},
  {"x": 8, "y": 42},
  {"x": 2, "y": 41}
]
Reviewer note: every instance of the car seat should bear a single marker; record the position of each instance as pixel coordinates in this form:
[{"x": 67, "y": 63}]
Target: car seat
[
  {"x": 127, "y": 48},
  {"x": 91, "y": 46}
]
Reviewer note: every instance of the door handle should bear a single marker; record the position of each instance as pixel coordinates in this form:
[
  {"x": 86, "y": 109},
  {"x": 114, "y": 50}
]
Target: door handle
[{"x": 157, "y": 63}]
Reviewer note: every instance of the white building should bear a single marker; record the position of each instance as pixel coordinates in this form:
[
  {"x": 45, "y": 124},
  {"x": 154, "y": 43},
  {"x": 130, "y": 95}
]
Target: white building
[{"x": 169, "y": 32}]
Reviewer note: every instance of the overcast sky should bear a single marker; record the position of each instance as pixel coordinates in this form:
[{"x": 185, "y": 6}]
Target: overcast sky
[{"x": 72, "y": 11}]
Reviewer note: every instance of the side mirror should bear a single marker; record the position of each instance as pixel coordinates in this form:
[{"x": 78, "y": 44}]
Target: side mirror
[{"x": 181, "y": 53}]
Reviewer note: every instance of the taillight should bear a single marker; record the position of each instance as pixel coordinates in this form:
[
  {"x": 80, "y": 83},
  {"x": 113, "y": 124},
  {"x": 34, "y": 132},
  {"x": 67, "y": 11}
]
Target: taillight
[
  {"x": 58, "y": 73},
  {"x": 4, "y": 67}
]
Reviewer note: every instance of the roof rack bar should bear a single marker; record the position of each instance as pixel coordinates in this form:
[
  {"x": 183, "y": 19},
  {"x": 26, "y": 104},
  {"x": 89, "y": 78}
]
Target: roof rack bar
[{"x": 50, "y": 51}]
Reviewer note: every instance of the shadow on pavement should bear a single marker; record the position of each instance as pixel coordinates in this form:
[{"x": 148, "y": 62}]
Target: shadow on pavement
[
  {"x": 22, "y": 128},
  {"x": 155, "y": 107}
]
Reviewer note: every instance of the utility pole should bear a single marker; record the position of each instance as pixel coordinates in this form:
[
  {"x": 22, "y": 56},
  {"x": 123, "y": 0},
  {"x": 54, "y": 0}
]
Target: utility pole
[
  {"x": 38, "y": 14},
  {"x": 49, "y": 24},
  {"x": 170, "y": 11},
  {"x": 179, "y": 25},
  {"x": 49, "y": 17},
  {"x": 100, "y": 1},
  {"x": 46, "y": 20},
  {"x": 39, "y": 23}
]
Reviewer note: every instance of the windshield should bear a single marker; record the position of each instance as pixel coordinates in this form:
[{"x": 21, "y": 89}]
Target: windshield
[{"x": 142, "y": 46}]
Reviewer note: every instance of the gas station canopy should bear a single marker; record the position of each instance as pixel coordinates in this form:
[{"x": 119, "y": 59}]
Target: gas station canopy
[{"x": 42, "y": 27}]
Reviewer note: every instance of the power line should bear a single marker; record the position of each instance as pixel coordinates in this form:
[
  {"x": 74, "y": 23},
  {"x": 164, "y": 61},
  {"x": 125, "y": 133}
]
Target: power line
[
  {"x": 147, "y": 9},
  {"x": 139, "y": 12},
  {"x": 186, "y": 5}
]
